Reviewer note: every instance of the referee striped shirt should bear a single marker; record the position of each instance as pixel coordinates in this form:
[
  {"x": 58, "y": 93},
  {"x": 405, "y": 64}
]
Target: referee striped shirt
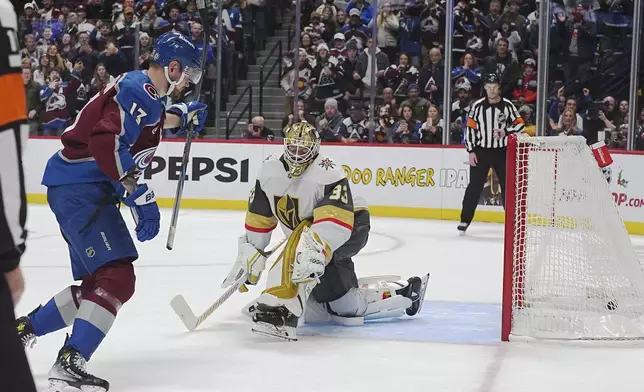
[
  {"x": 13, "y": 136},
  {"x": 484, "y": 117}
]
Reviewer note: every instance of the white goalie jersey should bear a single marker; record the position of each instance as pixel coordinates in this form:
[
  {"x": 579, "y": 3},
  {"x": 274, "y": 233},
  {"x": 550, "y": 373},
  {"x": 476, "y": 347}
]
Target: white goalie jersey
[{"x": 321, "y": 195}]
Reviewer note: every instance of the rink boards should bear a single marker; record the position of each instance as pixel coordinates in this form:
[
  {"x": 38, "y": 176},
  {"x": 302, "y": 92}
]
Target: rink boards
[{"x": 396, "y": 180}]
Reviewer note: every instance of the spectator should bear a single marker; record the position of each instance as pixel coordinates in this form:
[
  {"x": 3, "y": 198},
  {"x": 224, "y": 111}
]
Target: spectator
[
  {"x": 526, "y": 89},
  {"x": 512, "y": 18},
  {"x": 351, "y": 72},
  {"x": 81, "y": 19},
  {"x": 328, "y": 10},
  {"x": 431, "y": 132},
  {"x": 53, "y": 95},
  {"x": 330, "y": 122},
  {"x": 364, "y": 67},
  {"x": 100, "y": 80},
  {"x": 568, "y": 126},
  {"x": 355, "y": 29},
  {"x": 191, "y": 12},
  {"x": 257, "y": 129},
  {"x": 530, "y": 128},
  {"x": 406, "y": 130},
  {"x": 577, "y": 36},
  {"x": 98, "y": 38},
  {"x": 326, "y": 78},
  {"x": 387, "y": 27},
  {"x": 432, "y": 29},
  {"x": 418, "y": 104},
  {"x": 41, "y": 72},
  {"x": 468, "y": 69},
  {"x": 460, "y": 110},
  {"x": 388, "y": 100},
  {"x": 145, "y": 50},
  {"x": 319, "y": 28},
  {"x": 300, "y": 84},
  {"x": 622, "y": 114},
  {"x": 66, "y": 48},
  {"x": 354, "y": 127},
  {"x": 55, "y": 59},
  {"x": 508, "y": 32},
  {"x": 494, "y": 12},
  {"x": 173, "y": 22},
  {"x": 339, "y": 46},
  {"x": 306, "y": 43},
  {"x": 125, "y": 34},
  {"x": 431, "y": 78},
  {"x": 410, "y": 34},
  {"x": 365, "y": 11},
  {"x": 386, "y": 119},
  {"x": 618, "y": 137},
  {"x": 341, "y": 19},
  {"x": 32, "y": 92},
  {"x": 31, "y": 51},
  {"x": 150, "y": 21},
  {"x": 87, "y": 55},
  {"x": 302, "y": 115},
  {"x": 504, "y": 65},
  {"x": 399, "y": 76},
  {"x": 114, "y": 60},
  {"x": 24, "y": 21},
  {"x": 47, "y": 39}
]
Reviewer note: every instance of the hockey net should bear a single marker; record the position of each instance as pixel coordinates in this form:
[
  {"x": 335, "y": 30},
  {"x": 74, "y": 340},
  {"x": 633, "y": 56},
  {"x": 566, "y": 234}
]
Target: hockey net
[{"x": 570, "y": 271}]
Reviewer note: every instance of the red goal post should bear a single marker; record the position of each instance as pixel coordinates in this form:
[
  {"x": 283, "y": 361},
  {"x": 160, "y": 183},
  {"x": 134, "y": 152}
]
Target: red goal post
[{"x": 570, "y": 272}]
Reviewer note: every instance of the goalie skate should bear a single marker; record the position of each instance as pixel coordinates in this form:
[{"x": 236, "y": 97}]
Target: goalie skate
[
  {"x": 415, "y": 291},
  {"x": 69, "y": 371},
  {"x": 274, "y": 321}
]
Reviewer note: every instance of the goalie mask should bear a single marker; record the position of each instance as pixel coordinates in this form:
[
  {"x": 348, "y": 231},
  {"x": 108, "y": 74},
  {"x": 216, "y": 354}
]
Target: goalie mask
[{"x": 301, "y": 146}]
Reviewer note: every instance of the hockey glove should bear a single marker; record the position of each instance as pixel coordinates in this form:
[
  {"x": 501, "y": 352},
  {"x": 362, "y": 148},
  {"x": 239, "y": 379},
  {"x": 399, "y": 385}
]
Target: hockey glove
[
  {"x": 311, "y": 255},
  {"x": 189, "y": 112},
  {"x": 144, "y": 203},
  {"x": 250, "y": 262}
]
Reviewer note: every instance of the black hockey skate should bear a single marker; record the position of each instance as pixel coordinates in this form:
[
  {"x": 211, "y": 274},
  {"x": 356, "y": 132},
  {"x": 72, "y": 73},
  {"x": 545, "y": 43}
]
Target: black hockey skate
[
  {"x": 415, "y": 291},
  {"x": 69, "y": 371},
  {"x": 462, "y": 228},
  {"x": 274, "y": 321},
  {"x": 25, "y": 332}
]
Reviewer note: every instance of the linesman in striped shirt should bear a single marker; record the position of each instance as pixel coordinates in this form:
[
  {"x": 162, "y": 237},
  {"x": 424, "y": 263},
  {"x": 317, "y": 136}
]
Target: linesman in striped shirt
[
  {"x": 15, "y": 375},
  {"x": 490, "y": 121}
]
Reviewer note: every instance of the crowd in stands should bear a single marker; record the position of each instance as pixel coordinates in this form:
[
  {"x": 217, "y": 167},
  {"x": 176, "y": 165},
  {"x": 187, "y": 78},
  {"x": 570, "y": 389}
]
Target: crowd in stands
[
  {"x": 588, "y": 39},
  {"x": 74, "y": 48}
]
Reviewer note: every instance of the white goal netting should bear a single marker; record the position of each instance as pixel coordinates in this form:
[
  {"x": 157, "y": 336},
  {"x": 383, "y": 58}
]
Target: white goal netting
[{"x": 575, "y": 274}]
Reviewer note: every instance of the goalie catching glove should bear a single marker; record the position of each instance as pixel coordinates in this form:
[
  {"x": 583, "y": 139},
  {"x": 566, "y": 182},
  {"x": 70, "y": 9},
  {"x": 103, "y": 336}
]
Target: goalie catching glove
[{"x": 250, "y": 262}]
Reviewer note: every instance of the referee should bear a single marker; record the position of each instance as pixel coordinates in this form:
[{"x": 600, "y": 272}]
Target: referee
[
  {"x": 15, "y": 375},
  {"x": 489, "y": 122}
]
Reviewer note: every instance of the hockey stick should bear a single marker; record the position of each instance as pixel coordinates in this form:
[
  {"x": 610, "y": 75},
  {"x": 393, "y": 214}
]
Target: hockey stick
[
  {"x": 188, "y": 317},
  {"x": 203, "y": 14}
]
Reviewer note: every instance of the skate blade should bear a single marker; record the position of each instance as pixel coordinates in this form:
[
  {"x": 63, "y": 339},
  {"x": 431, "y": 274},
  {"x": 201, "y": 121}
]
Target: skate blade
[
  {"x": 461, "y": 233},
  {"x": 58, "y": 385},
  {"x": 424, "y": 282},
  {"x": 271, "y": 331}
]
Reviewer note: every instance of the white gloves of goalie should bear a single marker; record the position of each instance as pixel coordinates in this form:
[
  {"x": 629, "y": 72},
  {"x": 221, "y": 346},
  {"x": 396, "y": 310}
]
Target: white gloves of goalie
[
  {"x": 311, "y": 256},
  {"x": 250, "y": 262}
]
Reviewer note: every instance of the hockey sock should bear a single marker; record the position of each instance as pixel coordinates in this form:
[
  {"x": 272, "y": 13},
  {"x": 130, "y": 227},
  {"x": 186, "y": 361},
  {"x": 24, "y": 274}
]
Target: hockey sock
[
  {"x": 97, "y": 312},
  {"x": 58, "y": 313}
]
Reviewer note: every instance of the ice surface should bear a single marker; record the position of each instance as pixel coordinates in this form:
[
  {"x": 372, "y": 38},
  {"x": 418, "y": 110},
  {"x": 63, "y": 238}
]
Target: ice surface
[{"x": 451, "y": 346}]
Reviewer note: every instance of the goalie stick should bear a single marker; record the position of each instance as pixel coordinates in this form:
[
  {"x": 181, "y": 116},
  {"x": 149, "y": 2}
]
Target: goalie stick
[{"x": 188, "y": 317}]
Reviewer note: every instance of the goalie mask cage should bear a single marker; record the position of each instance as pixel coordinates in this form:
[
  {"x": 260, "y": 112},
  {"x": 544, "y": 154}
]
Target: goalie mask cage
[{"x": 570, "y": 272}]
